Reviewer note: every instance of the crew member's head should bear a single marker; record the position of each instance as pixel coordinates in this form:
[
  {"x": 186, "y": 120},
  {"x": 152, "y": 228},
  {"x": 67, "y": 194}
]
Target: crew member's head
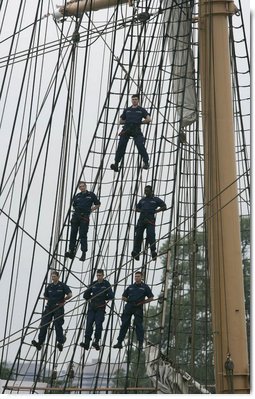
[
  {"x": 148, "y": 191},
  {"x": 138, "y": 277},
  {"x": 135, "y": 100},
  {"x": 82, "y": 186},
  {"x": 54, "y": 276},
  {"x": 100, "y": 275}
]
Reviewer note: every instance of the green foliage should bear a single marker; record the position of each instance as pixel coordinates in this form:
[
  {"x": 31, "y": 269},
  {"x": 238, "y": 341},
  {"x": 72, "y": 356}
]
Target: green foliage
[
  {"x": 135, "y": 374},
  {"x": 5, "y": 372},
  {"x": 246, "y": 254},
  {"x": 53, "y": 382},
  {"x": 186, "y": 338}
]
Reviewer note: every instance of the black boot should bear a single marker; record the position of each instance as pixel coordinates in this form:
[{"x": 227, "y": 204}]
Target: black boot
[
  {"x": 70, "y": 254},
  {"x": 85, "y": 344},
  {"x": 135, "y": 255},
  {"x": 83, "y": 257},
  {"x": 114, "y": 166},
  {"x": 37, "y": 345},
  {"x": 60, "y": 346},
  {"x": 95, "y": 345},
  {"x": 118, "y": 345}
]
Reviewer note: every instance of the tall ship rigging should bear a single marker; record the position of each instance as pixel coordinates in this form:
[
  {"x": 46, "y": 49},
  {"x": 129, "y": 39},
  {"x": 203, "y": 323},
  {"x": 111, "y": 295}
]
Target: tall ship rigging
[{"x": 67, "y": 73}]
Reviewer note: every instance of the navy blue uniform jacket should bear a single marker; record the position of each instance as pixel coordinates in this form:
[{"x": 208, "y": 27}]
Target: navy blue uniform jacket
[
  {"x": 136, "y": 293},
  {"x": 148, "y": 206},
  {"x": 99, "y": 293},
  {"x": 83, "y": 202},
  {"x": 134, "y": 115},
  {"x": 55, "y": 293}
]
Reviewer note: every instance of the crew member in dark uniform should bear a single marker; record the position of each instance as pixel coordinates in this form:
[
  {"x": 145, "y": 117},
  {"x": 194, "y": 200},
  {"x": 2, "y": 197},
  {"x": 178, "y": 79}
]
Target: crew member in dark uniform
[
  {"x": 82, "y": 204},
  {"x": 97, "y": 294},
  {"x": 147, "y": 206},
  {"x": 56, "y": 294},
  {"x": 132, "y": 118},
  {"x": 134, "y": 295}
]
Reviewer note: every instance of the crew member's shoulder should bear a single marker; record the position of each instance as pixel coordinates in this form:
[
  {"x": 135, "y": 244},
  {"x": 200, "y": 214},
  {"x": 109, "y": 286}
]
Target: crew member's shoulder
[
  {"x": 143, "y": 109},
  {"x": 155, "y": 198},
  {"x": 49, "y": 285},
  {"x": 91, "y": 194},
  {"x": 145, "y": 199},
  {"x": 132, "y": 285},
  {"x": 140, "y": 109}
]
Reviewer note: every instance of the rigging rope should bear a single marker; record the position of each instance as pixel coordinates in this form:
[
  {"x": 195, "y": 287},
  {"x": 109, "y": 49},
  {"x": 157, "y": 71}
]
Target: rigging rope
[{"x": 139, "y": 63}]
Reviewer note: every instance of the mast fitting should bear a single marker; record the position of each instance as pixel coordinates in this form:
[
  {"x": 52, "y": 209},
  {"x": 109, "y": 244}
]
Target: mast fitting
[
  {"x": 229, "y": 367},
  {"x": 224, "y": 7}
]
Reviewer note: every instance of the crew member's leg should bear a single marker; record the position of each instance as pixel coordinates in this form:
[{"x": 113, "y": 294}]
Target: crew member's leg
[
  {"x": 99, "y": 319},
  {"x": 58, "y": 324},
  {"x": 138, "y": 320},
  {"x": 125, "y": 319},
  {"x": 138, "y": 239},
  {"x": 89, "y": 328},
  {"x": 139, "y": 142},
  {"x": 151, "y": 238},
  {"x": 75, "y": 222},
  {"x": 46, "y": 319},
  {"x": 122, "y": 145},
  {"x": 83, "y": 233}
]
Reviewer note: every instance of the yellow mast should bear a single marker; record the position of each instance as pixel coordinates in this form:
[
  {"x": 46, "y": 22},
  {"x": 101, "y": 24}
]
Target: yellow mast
[{"x": 223, "y": 224}]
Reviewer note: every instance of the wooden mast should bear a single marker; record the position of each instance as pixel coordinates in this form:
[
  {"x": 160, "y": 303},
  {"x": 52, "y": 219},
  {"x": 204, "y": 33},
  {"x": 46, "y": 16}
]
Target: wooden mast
[{"x": 223, "y": 223}]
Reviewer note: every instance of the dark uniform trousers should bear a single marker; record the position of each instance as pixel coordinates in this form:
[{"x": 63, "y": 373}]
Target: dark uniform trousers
[
  {"x": 143, "y": 223},
  {"x": 57, "y": 314},
  {"x": 79, "y": 222},
  {"x": 132, "y": 130},
  {"x": 95, "y": 315},
  {"x": 130, "y": 310}
]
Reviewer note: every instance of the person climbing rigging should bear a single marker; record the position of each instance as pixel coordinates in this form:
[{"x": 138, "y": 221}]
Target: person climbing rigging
[
  {"x": 134, "y": 295},
  {"x": 147, "y": 206},
  {"x": 98, "y": 294},
  {"x": 56, "y": 293},
  {"x": 82, "y": 204},
  {"x": 132, "y": 118}
]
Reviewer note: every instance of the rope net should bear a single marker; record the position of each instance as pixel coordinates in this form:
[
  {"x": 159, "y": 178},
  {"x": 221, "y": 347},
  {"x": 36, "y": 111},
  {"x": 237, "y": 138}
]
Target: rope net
[{"x": 64, "y": 86}]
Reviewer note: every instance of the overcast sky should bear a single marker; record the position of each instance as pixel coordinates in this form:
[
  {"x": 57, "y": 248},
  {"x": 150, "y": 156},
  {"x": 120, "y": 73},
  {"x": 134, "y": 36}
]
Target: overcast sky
[{"x": 52, "y": 32}]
